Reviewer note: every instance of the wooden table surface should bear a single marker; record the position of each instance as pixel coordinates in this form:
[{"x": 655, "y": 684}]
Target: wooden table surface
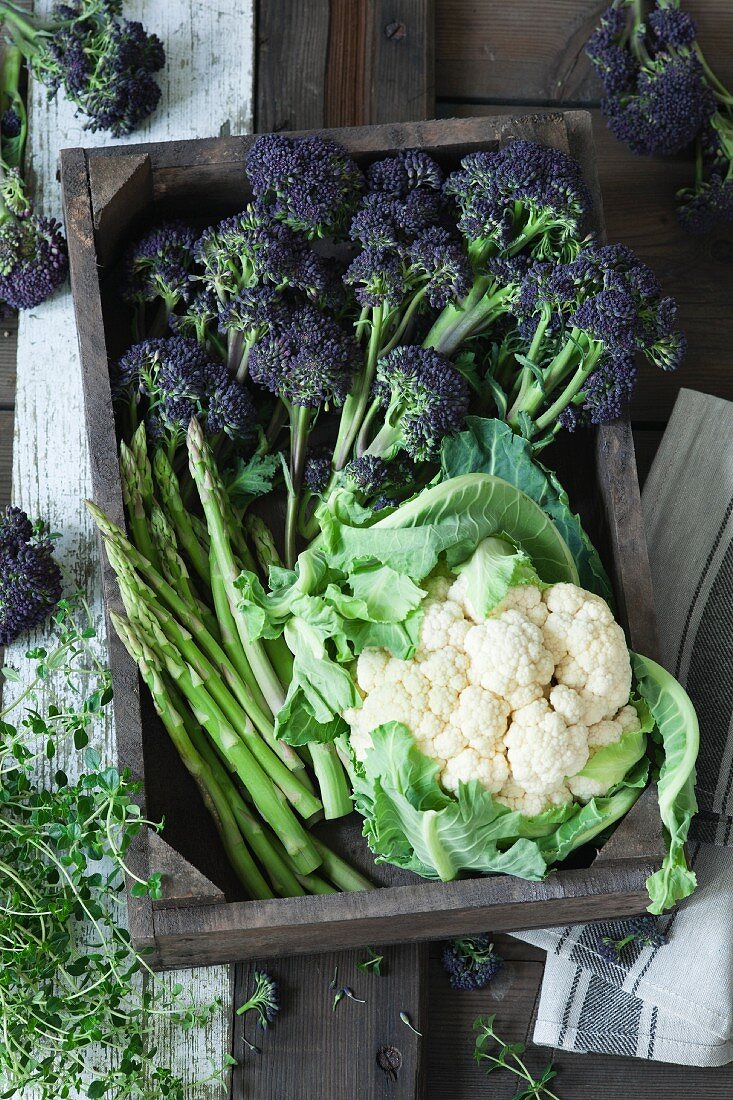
[{"x": 348, "y": 62}]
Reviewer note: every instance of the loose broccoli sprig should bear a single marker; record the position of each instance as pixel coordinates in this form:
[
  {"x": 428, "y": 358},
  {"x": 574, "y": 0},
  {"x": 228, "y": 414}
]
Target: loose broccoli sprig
[
  {"x": 642, "y": 931},
  {"x": 308, "y": 362},
  {"x": 471, "y": 962},
  {"x": 661, "y": 96},
  {"x": 264, "y": 1000},
  {"x": 104, "y": 63},
  {"x": 33, "y": 256},
  {"x": 13, "y": 119},
  {"x": 169, "y": 380},
  {"x": 584, "y": 321},
  {"x": 30, "y": 578},
  {"x": 309, "y": 184}
]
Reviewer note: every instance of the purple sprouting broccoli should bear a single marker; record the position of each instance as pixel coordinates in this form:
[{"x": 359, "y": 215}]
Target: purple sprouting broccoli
[
  {"x": 583, "y": 323},
  {"x": 367, "y": 474},
  {"x": 440, "y": 265},
  {"x": 423, "y": 398},
  {"x": 409, "y": 170},
  {"x": 308, "y": 362},
  {"x": 471, "y": 962},
  {"x": 661, "y": 96},
  {"x": 33, "y": 257},
  {"x": 30, "y": 578},
  {"x": 378, "y": 279},
  {"x": 309, "y": 184},
  {"x": 384, "y": 222},
  {"x": 197, "y": 319},
  {"x": 170, "y": 380},
  {"x": 525, "y": 196},
  {"x": 158, "y": 267},
  {"x": 105, "y": 64},
  {"x": 317, "y": 473},
  {"x": 614, "y": 943}
]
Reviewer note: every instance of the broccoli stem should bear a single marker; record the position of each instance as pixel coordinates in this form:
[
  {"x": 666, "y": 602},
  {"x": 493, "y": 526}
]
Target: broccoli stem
[
  {"x": 570, "y": 391},
  {"x": 407, "y": 316},
  {"x": 10, "y": 97},
  {"x": 335, "y": 792},
  {"x": 531, "y": 400},
  {"x": 300, "y": 420},
  {"x": 355, "y": 405}
]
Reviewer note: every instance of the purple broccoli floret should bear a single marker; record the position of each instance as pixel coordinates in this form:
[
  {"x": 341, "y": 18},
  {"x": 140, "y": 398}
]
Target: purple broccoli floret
[
  {"x": 440, "y": 261},
  {"x": 523, "y": 195},
  {"x": 30, "y": 578},
  {"x": 471, "y": 962},
  {"x": 159, "y": 265},
  {"x": 378, "y": 277},
  {"x": 673, "y": 27},
  {"x": 308, "y": 362},
  {"x": 33, "y": 258},
  {"x": 408, "y": 170},
  {"x": 426, "y": 399},
  {"x": 310, "y": 184},
  {"x": 195, "y": 320},
  {"x": 701, "y": 207},
  {"x": 367, "y": 474},
  {"x": 317, "y": 470}
]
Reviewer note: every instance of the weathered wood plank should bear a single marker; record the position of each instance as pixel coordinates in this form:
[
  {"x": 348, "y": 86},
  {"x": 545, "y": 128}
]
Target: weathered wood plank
[
  {"x": 51, "y": 462},
  {"x": 8, "y": 351},
  {"x": 696, "y": 271},
  {"x": 316, "y": 1051},
  {"x": 6, "y": 454},
  {"x": 525, "y": 52},
  {"x": 292, "y": 51}
]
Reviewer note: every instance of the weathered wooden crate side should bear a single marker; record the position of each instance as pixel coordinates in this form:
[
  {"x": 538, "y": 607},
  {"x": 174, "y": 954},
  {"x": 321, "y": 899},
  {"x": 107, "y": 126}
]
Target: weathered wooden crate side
[{"x": 107, "y": 195}]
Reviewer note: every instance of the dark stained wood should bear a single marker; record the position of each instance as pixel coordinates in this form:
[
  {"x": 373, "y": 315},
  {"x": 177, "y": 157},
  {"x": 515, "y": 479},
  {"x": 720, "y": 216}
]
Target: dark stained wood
[
  {"x": 347, "y": 98},
  {"x": 530, "y": 52},
  {"x": 402, "y": 60},
  {"x": 182, "y": 883},
  {"x": 292, "y": 50},
  {"x": 418, "y": 911},
  {"x": 638, "y": 202},
  {"x": 118, "y": 186},
  {"x": 313, "y": 1051},
  {"x": 8, "y": 349}
]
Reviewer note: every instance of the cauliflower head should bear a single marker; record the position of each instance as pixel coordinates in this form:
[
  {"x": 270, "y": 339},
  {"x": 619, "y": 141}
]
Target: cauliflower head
[{"x": 519, "y": 699}]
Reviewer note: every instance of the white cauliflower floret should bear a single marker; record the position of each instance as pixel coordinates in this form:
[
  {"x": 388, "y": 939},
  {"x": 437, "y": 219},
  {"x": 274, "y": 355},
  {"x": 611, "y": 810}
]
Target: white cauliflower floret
[
  {"x": 516, "y": 798},
  {"x": 491, "y": 771},
  {"x": 543, "y": 749},
  {"x": 589, "y": 649},
  {"x": 509, "y": 658},
  {"x": 519, "y": 700}
]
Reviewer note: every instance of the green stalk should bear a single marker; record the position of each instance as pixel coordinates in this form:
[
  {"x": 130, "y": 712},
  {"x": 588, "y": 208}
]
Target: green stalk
[
  {"x": 132, "y": 495},
  {"x": 307, "y": 805},
  {"x": 13, "y": 148},
  {"x": 332, "y": 782},
  {"x": 570, "y": 391},
  {"x": 355, "y": 405},
  {"x": 268, "y": 799},
  {"x": 300, "y": 419},
  {"x": 262, "y": 541},
  {"x": 212, "y": 496},
  {"x": 553, "y": 375},
  {"x": 170, "y": 496},
  {"x": 204, "y": 777},
  {"x": 265, "y": 845},
  {"x": 231, "y": 641},
  {"x": 457, "y": 323},
  {"x": 172, "y": 565},
  {"x": 338, "y": 871},
  {"x": 407, "y": 316}
]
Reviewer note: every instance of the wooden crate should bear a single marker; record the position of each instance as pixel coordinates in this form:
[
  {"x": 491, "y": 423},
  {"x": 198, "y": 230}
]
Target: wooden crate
[{"x": 109, "y": 194}]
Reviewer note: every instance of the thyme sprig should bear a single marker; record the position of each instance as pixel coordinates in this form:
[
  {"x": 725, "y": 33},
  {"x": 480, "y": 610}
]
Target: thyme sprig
[{"x": 494, "y": 1053}]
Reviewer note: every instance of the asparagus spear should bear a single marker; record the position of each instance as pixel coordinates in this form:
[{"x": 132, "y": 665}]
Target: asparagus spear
[
  {"x": 213, "y": 500},
  {"x": 170, "y": 495},
  {"x": 266, "y": 553},
  {"x": 211, "y": 790},
  {"x": 307, "y": 805},
  {"x": 135, "y": 506}
]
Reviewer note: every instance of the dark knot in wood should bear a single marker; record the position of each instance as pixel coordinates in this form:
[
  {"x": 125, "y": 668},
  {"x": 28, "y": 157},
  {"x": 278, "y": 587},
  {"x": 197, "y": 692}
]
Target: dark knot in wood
[
  {"x": 389, "y": 1061},
  {"x": 395, "y": 30}
]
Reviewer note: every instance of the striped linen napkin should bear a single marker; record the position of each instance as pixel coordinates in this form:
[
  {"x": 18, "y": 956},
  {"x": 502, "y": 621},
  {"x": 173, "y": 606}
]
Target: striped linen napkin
[{"x": 673, "y": 1003}]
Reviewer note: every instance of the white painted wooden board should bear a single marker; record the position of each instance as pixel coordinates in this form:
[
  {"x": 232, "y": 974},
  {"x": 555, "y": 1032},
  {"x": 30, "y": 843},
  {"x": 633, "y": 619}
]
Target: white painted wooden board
[{"x": 207, "y": 90}]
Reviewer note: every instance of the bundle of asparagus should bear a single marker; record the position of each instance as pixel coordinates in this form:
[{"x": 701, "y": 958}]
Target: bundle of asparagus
[{"x": 215, "y": 690}]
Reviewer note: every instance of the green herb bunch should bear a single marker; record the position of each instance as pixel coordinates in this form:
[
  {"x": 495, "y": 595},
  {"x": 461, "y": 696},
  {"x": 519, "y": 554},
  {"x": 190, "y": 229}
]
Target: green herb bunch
[
  {"x": 75, "y": 1013},
  {"x": 493, "y": 1053}
]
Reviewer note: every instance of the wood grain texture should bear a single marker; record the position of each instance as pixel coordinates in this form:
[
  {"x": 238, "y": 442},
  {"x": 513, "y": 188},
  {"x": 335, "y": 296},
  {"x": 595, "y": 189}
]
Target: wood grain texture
[
  {"x": 530, "y": 52},
  {"x": 292, "y": 52},
  {"x": 315, "y": 1051},
  {"x": 6, "y": 454},
  {"x": 51, "y": 461},
  {"x": 638, "y": 201}
]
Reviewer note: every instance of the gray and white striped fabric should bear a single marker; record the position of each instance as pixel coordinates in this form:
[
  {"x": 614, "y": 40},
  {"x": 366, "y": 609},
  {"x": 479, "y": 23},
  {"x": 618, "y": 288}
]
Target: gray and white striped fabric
[{"x": 673, "y": 1003}]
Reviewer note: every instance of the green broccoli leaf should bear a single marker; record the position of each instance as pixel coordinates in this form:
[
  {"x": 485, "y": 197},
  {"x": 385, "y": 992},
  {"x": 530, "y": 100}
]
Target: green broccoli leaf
[
  {"x": 679, "y": 732},
  {"x": 491, "y": 447},
  {"x": 252, "y": 479}
]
